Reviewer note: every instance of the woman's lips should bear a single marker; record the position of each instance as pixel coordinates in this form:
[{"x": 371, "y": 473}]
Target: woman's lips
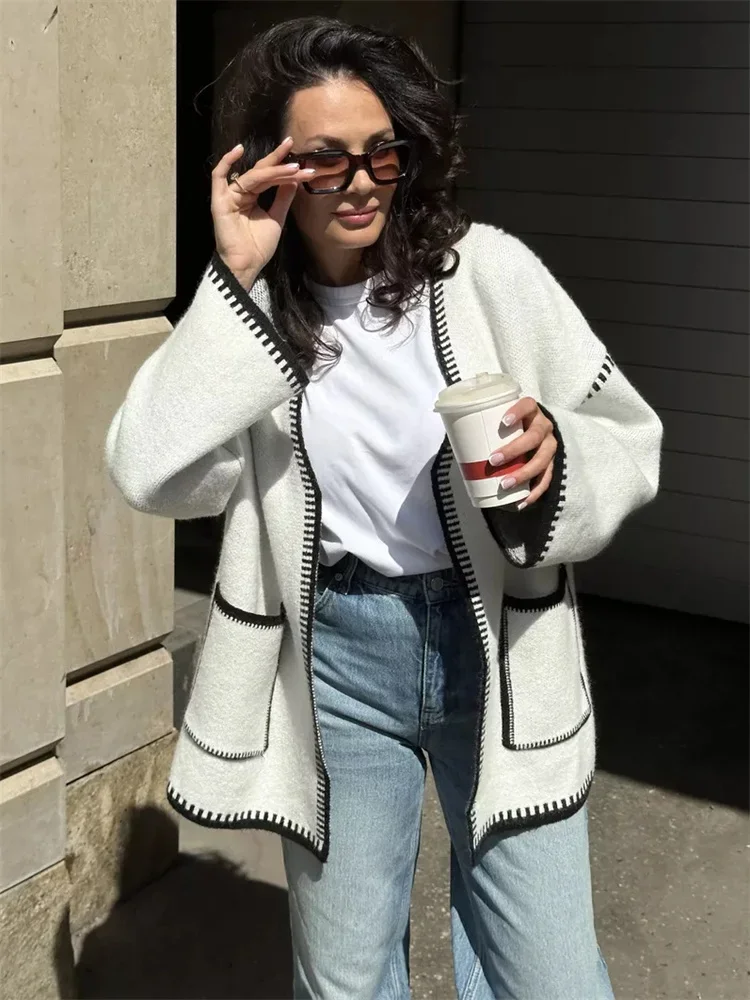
[{"x": 360, "y": 219}]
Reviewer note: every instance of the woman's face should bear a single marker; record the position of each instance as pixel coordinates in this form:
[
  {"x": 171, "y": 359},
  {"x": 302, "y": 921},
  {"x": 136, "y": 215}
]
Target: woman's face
[{"x": 341, "y": 114}]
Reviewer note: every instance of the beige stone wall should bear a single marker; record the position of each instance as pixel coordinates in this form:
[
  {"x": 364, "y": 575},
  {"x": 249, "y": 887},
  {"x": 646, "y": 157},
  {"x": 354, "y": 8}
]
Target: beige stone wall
[{"x": 87, "y": 101}]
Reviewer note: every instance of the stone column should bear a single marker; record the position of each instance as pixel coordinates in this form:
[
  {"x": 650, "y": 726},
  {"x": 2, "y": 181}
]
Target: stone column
[{"x": 88, "y": 258}]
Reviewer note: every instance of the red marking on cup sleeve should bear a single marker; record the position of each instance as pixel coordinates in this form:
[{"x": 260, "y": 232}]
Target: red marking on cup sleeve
[{"x": 483, "y": 470}]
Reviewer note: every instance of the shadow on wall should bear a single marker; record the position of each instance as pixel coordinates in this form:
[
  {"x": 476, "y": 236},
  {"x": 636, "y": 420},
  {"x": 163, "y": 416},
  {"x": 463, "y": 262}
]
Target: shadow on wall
[{"x": 201, "y": 930}]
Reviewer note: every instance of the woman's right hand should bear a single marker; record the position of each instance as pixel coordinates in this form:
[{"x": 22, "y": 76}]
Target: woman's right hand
[{"x": 246, "y": 236}]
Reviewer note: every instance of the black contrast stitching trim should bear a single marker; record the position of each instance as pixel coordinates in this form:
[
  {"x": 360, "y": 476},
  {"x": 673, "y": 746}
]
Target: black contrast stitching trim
[
  {"x": 508, "y": 724},
  {"x": 441, "y": 340},
  {"x": 563, "y": 737},
  {"x": 446, "y": 506},
  {"x": 540, "y": 603},
  {"x": 604, "y": 373},
  {"x": 253, "y": 316},
  {"x": 230, "y": 610},
  {"x": 225, "y": 754},
  {"x": 308, "y": 587},
  {"x": 249, "y": 819},
  {"x": 533, "y": 816},
  {"x": 506, "y": 685},
  {"x": 557, "y": 491}
]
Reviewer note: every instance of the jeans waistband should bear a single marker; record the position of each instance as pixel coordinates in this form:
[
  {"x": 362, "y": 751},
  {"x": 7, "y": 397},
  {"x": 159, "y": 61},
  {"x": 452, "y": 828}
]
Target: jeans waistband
[{"x": 439, "y": 585}]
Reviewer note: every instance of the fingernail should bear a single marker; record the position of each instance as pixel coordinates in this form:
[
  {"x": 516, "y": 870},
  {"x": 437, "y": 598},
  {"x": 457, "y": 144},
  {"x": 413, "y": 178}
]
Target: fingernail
[
  {"x": 497, "y": 459},
  {"x": 509, "y": 419},
  {"x": 238, "y": 146},
  {"x": 522, "y": 505},
  {"x": 507, "y": 482},
  {"x": 288, "y": 139}
]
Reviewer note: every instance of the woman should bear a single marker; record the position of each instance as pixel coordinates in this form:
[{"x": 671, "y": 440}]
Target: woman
[{"x": 364, "y": 611}]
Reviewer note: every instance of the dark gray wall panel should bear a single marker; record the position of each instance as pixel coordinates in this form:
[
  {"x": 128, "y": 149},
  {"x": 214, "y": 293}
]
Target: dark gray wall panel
[
  {"x": 609, "y": 12},
  {"x": 613, "y": 139},
  {"x": 622, "y": 89},
  {"x": 620, "y": 218},
  {"x": 637, "y": 176},
  {"x": 607, "y": 45}
]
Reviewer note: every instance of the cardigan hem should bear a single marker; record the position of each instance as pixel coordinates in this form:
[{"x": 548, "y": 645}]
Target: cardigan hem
[
  {"x": 529, "y": 817},
  {"x": 248, "y": 820}
]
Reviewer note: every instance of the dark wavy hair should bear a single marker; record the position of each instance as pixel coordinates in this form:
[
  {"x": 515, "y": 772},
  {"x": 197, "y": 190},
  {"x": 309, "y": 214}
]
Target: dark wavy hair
[{"x": 423, "y": 222}]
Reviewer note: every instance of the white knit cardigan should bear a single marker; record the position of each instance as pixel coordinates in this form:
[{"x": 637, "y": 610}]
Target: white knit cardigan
[{"x": 212, "y": 422}]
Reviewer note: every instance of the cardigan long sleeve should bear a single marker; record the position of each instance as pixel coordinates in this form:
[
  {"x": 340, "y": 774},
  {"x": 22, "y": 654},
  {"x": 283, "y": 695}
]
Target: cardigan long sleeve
[
  {"x": 173, "y": 446},
  {"x": 609, "y": 438}
]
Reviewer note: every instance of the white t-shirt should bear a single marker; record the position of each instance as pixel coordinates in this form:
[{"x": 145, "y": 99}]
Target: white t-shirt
[{"x": 372, "y": 435}]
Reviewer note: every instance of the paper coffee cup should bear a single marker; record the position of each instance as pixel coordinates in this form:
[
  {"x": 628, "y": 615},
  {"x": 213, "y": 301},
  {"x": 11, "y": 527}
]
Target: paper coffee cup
[{"x": 472, "y": 411}]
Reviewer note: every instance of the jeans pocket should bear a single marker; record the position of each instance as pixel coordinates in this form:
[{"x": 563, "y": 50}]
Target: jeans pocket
[
  {"x": 322, "y": 594},
  {"x": 329, "y": 582},
  {"x": 545, "y": 698}
]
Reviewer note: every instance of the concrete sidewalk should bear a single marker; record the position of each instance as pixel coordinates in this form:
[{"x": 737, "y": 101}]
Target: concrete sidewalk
[{"x": 668, "y": 854}]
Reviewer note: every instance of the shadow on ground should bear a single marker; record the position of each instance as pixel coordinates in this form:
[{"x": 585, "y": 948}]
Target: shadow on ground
[
  {"x": 671, "y": 696},
  {"x": 202, "y": 930}
]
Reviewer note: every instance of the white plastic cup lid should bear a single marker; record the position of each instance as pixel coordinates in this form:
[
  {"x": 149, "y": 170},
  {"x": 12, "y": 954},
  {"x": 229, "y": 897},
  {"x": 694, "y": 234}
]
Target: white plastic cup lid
[{"x": 484, "y": 389}]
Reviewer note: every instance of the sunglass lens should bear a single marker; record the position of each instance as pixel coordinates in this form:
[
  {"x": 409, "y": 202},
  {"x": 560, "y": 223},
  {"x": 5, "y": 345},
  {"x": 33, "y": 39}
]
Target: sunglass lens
[
  {"x": 330, "y": 172},
  {"x": 390, "y": 163}
]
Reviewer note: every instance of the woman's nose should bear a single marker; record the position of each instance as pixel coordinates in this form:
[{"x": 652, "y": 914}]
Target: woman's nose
[{"x": 361, "y": 180}]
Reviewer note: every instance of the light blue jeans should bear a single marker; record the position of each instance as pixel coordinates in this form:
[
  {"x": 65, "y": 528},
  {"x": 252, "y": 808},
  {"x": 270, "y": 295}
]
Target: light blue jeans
[{"x": 396, "y": 675}]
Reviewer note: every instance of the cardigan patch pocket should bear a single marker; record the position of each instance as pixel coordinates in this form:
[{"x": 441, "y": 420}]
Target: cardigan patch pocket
[
  {"x": 229, "y": 707},
  {"x": 545, "y": 699}
]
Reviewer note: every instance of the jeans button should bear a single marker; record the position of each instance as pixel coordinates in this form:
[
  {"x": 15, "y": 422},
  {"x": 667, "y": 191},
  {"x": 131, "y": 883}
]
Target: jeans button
[
  {"x": 339, "y": 576},
  {"x": 437, "y": 583}
]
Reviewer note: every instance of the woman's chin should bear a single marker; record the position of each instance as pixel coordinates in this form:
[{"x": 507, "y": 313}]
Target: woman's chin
[{"x": 363, "y": 236}]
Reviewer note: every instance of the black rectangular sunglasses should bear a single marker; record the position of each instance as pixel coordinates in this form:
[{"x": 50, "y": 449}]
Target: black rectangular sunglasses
[{"x": 335, "y": 168}]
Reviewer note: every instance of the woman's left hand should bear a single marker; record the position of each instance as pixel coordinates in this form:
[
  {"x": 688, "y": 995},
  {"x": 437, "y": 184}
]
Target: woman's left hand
[{"x": 537, "y": 442}]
